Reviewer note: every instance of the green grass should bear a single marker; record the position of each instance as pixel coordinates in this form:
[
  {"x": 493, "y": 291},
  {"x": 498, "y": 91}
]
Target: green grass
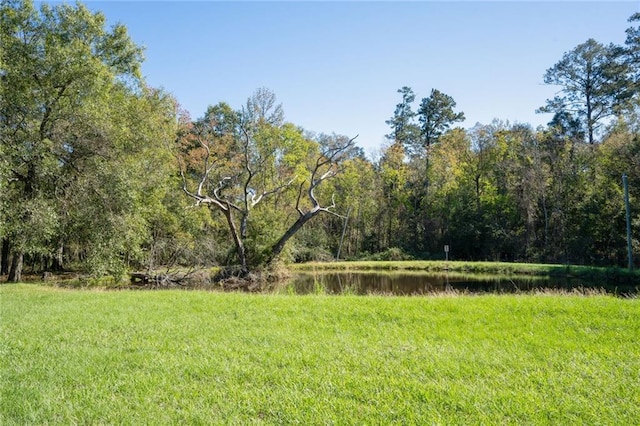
[{"x": 178, "y": 357}]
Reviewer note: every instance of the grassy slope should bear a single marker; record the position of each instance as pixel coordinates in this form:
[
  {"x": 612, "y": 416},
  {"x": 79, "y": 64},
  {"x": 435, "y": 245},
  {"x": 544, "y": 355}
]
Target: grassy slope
[{"x": 200, "y": 358}]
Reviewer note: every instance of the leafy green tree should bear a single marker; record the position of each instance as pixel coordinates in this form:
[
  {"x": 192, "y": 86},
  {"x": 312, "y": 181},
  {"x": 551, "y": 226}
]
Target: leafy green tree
[
  {"x": 618, "y": 154},
  {"x": 261, "y": 108},
  {"x": 360, "y": 185},
  {"x": 594, "y": 85},
  {"x": 521, "y": 183},
  {"x": 632, "y": 43},
  {"x": 403, "y": 127},
  {"x": 393, "y": 176},
  {"x": 4, "y": 247},
  {"x": 86, "y": 142},
  {"x": 563, "y": 162},
  {"x": 452, "y": 194},
  {"x": 436, "y": 114},
  {"x": 57, "y": 63},
  {"x": 116, "y": 187}
]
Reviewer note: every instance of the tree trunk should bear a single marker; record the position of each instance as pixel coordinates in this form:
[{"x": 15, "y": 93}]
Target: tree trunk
[
  {"x": 15, "y": 272},
  {"x": 546, "y": 226},
  {"x": 477, "y": 181},
  {"x": 237, "y": 240},
  {"x": 4, "y": 263},
  {"x": 344, "y": 230},
  {"x": 58, "y": 259},
  {"x": 389, "y": 222},
  {"x": 359, "y": 230},
  {"x": 590, "y": 122},
  {"x": 297, "y": 225},
  {"x": 243, "y": 225}
]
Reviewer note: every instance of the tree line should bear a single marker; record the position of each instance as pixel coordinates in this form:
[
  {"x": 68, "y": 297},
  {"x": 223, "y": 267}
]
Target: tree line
[{"x": 103, "y": 174}]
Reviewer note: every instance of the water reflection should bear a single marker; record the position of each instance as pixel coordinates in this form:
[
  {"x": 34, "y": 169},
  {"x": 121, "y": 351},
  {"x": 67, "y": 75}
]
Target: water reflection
[{"x": 417, "y": 283}]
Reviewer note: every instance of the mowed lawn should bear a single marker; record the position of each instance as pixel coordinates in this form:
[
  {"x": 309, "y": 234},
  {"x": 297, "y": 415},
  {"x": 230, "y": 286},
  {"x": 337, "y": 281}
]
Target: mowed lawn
[{"x": 191, "y": 357}]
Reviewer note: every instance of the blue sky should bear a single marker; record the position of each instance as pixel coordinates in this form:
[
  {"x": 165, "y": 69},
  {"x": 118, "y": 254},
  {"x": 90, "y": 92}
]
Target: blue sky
[{"x": 336, "y": 66}]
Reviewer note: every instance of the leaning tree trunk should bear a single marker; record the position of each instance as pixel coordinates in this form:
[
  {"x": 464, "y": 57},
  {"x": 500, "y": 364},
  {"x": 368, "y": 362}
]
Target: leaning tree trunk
[
  {"x": 279, "y": 246},
  {"x": 15, "y": 272}
]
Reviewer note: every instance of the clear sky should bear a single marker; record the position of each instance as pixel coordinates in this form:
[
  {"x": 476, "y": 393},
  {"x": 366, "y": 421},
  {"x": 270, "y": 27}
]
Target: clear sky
[{"x": 336, "y": 66}]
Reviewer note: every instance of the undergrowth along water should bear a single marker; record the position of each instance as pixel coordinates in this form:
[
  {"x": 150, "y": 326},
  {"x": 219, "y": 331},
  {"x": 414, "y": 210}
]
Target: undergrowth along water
[{"x": 504, "y": 268}]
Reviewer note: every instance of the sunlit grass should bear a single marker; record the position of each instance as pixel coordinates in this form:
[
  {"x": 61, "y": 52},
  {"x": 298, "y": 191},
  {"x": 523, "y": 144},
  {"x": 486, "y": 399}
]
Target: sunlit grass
[{"x": 177, "y": 357}]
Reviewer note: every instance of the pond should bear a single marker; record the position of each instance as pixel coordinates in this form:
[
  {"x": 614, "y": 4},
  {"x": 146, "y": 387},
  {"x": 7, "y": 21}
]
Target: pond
[{"x": 420, "y": 283}]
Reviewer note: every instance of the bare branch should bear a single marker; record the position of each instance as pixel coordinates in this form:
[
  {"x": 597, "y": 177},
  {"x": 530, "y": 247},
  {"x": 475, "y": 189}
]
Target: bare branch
[
  {"x": 332, "y": 206},
  {"x": 329, "y": 156},
  {"x": 276, "y": 190}
]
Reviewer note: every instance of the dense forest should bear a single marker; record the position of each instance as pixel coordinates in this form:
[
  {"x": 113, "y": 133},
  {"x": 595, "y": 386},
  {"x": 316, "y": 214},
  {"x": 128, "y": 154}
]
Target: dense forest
[{"x": 101, "y": 173}]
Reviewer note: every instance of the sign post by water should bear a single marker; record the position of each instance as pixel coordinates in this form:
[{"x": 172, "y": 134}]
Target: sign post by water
[{"x": 446, "y": 252}]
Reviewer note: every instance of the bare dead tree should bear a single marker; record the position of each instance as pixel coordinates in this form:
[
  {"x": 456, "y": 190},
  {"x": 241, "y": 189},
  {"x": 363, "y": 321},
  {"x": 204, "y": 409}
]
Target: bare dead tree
[
  {"x": 215, "y": 197},
  {"x": 233, "y": 160}
]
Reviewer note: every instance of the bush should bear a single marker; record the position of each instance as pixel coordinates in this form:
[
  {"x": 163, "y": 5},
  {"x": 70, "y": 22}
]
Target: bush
[{"x": 312, "y": 254}]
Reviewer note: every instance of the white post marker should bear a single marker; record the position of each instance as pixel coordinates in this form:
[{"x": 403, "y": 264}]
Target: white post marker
[{"x": 446, "y": 252}]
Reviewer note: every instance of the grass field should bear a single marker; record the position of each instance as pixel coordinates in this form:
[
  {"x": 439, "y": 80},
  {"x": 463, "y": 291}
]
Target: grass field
[{"x": 191, "y": 357}]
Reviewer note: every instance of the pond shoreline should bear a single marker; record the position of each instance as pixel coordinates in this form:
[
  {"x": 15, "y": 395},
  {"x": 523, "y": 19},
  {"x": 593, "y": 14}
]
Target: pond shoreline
[
  {"x": 426, "y": 283},
  {"x": 610, "y": 274},
  {"x": 406, "y": 277}
]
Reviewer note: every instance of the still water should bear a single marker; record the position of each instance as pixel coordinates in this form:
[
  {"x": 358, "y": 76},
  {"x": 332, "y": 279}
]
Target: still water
[{"x": 412, "y": 283}]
